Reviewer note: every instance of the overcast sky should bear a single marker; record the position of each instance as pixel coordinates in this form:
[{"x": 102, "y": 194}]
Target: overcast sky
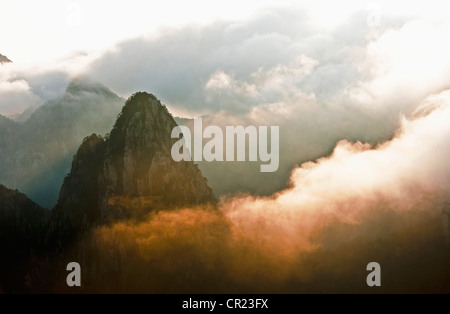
[
  {"x": 204, "y": 56},
  {"x": 51, "y": 29},
  {"x": 323, "y": 71}
]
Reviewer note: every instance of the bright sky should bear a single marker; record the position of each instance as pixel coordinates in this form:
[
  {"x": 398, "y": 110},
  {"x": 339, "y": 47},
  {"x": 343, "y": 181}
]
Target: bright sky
[{"x": 46, "y": 30}]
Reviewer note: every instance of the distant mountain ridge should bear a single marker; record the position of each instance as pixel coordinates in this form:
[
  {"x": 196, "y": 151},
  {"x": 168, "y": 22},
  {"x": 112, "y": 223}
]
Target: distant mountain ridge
[{"x": 36, "y": 154}]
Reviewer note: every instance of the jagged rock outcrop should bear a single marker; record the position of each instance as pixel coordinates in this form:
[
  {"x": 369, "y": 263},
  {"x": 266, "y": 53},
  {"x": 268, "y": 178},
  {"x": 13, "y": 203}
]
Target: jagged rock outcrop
[
  {"x": 131, "y": 172},
  {"x": 4, "y": 59}
]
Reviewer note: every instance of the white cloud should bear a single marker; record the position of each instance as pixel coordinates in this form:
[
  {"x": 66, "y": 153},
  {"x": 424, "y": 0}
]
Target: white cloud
[
  {"x": 53, "y": 28},
  {"x": 406, "y": 173},
  {"x": 14, "y": 86},
  {"x": 24, "y": 86},
  {"x": 16, "y": 96},
  {"x": 404, "y": 65},
  {"x": 219, "y": 80}
]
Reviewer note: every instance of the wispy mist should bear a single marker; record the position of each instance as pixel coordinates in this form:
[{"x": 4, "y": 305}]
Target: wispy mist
[{"x": 363, "y": 203}]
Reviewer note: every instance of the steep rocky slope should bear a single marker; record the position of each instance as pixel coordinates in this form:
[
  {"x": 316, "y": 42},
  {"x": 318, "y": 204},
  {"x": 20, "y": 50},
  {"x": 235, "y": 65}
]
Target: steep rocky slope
[{"x": 130, "y": 172}]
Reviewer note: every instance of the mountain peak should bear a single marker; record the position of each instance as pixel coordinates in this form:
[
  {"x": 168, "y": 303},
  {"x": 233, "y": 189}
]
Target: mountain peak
[
  {"x": 131, "y": 170},
  {"x": 82, "y": 84},
  {"x": 140, "y": 96},
  {"x": 4, "y": 59},
  {"x": 145, "y": 103}
]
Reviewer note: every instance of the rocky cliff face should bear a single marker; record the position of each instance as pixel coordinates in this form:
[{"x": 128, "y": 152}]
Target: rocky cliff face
[
  {"x": 131, "y": 172},
  {"x": 78, "y": 200}
]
